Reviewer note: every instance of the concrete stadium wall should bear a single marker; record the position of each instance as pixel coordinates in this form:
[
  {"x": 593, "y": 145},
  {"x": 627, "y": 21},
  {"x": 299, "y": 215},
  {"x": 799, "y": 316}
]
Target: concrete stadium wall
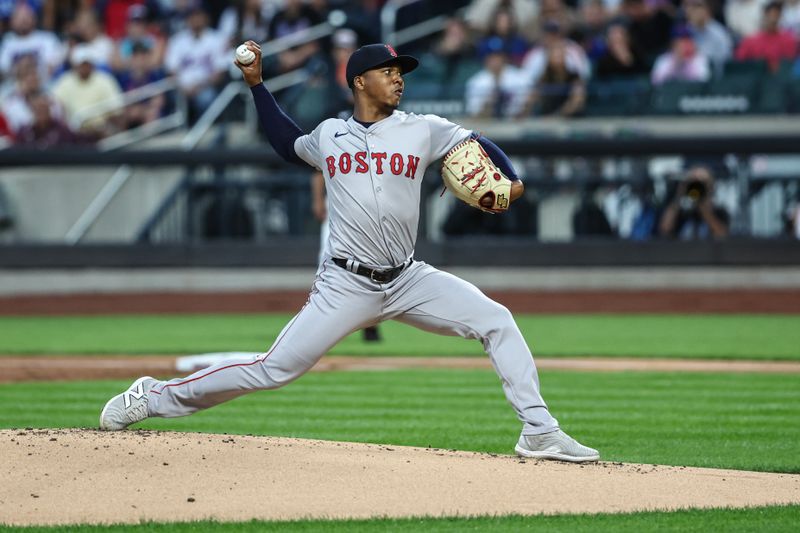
[{"x": 46, "y": 202}]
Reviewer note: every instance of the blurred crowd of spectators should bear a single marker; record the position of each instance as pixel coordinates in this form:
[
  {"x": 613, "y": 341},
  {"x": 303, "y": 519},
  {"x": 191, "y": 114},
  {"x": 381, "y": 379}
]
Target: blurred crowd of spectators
[
  {"x": 60, "y": 58},
  {"x": 538, "y": 56}
]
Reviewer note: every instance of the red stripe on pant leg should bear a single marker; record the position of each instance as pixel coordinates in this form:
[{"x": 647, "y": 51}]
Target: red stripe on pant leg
[{"x": 274, "y": 347}]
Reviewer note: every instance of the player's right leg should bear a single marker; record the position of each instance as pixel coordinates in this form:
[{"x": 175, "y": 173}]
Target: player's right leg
[
  {"x": 442, "y": 303},
  {"x": 340, "y": 303}
]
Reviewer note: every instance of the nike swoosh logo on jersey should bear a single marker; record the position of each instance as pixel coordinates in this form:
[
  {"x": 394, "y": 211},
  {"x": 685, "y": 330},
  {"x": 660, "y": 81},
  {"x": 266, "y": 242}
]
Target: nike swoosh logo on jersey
[{"x": 340, "y": 133}]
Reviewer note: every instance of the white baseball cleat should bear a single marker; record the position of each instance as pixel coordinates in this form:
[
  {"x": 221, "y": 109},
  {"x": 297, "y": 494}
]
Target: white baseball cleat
[
  {"x": 555, "y": 445},
  {"x": 127, "y": 408}
]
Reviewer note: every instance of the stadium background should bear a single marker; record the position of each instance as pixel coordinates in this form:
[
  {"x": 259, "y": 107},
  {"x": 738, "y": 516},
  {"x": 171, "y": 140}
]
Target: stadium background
[{"x": 157, "y": 220}]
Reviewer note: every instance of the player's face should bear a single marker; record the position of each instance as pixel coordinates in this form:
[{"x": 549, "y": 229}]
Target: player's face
[{"x": 384, "y": 85}]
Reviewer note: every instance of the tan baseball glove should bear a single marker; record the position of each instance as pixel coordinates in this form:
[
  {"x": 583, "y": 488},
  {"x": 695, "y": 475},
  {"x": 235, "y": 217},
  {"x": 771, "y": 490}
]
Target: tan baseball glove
[{"x": 469, "y": 173}]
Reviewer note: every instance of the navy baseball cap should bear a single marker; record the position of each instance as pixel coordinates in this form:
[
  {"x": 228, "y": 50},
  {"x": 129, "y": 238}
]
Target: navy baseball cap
[{"x": 376, "y": 55}]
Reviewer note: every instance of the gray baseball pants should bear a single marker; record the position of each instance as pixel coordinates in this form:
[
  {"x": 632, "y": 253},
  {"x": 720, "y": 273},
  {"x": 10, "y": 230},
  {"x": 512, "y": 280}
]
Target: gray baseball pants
[{"x": 342, "y": 302}]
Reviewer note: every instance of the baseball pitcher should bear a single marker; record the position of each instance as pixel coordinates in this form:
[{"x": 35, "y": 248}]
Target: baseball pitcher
[{"x": 373, "y": 164}]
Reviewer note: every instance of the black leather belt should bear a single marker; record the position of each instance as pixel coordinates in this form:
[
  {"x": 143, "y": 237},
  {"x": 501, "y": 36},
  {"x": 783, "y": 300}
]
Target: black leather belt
[{"x": 378, "y": 276}]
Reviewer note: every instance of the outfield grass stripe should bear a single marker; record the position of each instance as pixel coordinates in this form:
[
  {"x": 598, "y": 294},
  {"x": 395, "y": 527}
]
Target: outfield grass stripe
[{"x": 687, "y": 336}]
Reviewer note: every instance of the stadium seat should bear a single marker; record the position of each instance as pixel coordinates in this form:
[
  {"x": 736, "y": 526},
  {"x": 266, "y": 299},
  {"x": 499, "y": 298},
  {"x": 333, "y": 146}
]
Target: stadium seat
[
  {"x": 617, "y": 97},
  {"x": 739, "y": 84},
  {"x": 310, "y": 106},
  {"x": 422, "y": 89},
  {"x": 431, "y": 69},
  {"x": 794, "y": 96},
  {"x": 751, "y": 67},
  {"x": 785, "y": 70},
  {"x": 732, "y": 93},
  {"x": 773, "y": 97},
  {"x": 455, "y": 86},
  {"x": 667, "y": 99}
]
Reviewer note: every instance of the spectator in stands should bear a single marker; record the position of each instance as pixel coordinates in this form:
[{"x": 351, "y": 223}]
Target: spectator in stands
[
  {"x": 7, "y": 10},
  {"x": 504, "y": 28},
  {"x": 24, "y": 39},
  {"x": 175, "y": 14},
  {"x": 743, "y": 17},
  {"x": 15, "y": 93},
  {"x": 6, "y": 134},
  {"x": 321, "y": 7},
  {"x": 793, "y": 221},
  {"x": 588, "y": 219},
  {"x": 524, "y": 12},
  {"x": 294, "y": 17},
  {"x": 682, "y": 63},
  {"x": 691, "y": 213},
  {"x": 558, "y": 12},
  {"x": 455, "y": 46},
  {"x": 141, "y": 73},
  {"x": 245, "y": 19},
  {"x": 56, "y": 15},
  {"x": 463, "y": 220},
  {"x": 621, "y": 58},
  {"x": 711, "y": 37},
  {"x": 345, "y": 42},
  {"x": 560, "y": 91},
  {"x": 198, "y": 57},
  {"x": 536, "y": 60},
  {"x": 790, "y": 19},
  {"x": 15, "y": 99},
  {"x": 499, "y": 89},
  {"x": 591, "y": 30},
  {"x": 364, "y": 16},
  {"x": 649, "y": 25},
  {"x": 46, "y": 130},
  {"x": 772, "y": 43},
  {"x": 138, "y": 31},
  {"x": 116, "y": 13},
  {"x": 83, "y": 87},
  {"x": 85, "y": 30}
]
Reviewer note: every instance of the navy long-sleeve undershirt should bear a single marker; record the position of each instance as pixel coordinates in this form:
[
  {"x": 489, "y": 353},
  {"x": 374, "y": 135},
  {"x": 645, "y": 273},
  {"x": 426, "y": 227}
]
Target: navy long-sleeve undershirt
[
  {"x": 282, "y": 132},
  {"x": 497, "y": 156}
]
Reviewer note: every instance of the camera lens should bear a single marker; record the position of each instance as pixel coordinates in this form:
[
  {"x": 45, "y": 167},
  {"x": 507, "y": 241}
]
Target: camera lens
[{"x": 696, "y": 190}]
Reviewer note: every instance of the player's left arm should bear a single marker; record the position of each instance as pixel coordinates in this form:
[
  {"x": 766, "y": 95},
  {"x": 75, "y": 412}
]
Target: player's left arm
[{"x": 502, "y": 161}]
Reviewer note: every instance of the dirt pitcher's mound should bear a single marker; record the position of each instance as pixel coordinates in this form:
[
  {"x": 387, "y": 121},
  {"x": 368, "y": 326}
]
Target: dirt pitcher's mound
[{"x": 84, "y": 476}]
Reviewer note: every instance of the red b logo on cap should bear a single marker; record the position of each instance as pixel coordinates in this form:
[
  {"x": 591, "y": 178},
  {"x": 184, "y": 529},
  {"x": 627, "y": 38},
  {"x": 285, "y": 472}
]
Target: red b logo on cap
[{"x": 391, "y": 50}]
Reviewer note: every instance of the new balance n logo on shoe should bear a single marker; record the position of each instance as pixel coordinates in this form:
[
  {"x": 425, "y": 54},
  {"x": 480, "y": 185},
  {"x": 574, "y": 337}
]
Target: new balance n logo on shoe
[{"x": 133, "y": 394}]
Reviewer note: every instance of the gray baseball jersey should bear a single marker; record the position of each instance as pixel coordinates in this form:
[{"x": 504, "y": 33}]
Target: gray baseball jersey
[
  {"x": 373, "y": 180},
  {"x": 373, "y": 177}
]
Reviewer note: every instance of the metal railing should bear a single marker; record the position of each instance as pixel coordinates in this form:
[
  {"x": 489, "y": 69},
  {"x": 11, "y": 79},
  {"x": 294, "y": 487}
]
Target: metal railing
[
  {"x": 389, "y": 19},
  {"x": 125, "y": 138},
  {"x": 226, "y": 96},
  {"x": 310, "y": 34},
  {"x": 139, "y": 94},
  {"x": 134, "y": 135},
  {"x": 193, "y": 137},
  {"x": 98, "y": 204}
]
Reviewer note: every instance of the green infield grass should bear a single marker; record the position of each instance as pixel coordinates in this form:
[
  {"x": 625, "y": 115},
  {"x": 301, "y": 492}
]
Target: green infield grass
[
  {"x": 739, "y": 421},
  {"x": 764, "y": 337},
  {"x": 773, "y": 519}
]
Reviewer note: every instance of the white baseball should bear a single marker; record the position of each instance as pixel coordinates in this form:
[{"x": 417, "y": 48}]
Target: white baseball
[{"x": 244, "y": 55}]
